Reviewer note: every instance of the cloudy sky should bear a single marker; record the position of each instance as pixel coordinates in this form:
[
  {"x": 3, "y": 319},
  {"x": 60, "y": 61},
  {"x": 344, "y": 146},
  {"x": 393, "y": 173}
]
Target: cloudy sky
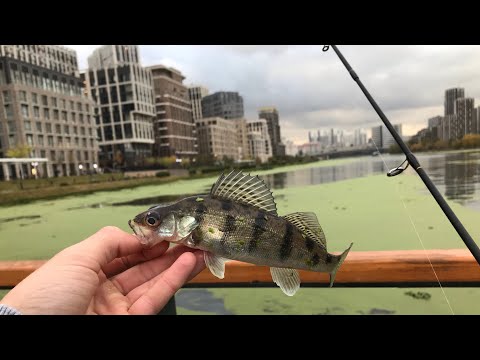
[{"x": 312, "y": 90}]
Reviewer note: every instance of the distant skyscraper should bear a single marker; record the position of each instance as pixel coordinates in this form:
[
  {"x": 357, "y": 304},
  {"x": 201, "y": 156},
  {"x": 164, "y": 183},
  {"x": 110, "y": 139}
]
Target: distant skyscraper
[
  {"x": 227, "y": 105},
  {"x": 434, "y": 121},
  {"x": 196, "y": 94},
  {"x": 174, "y": 129},
  {"x": 270, "y": 114},
  {"x": 43, "y": 105},
  {"x": 333, "y": 138},
  {"x": 123, "y": 91},
  {"x": 259, "y": 144},
  {"x": 290, "y": 148},
  {"x": 359, "y": 138},
  {"x": 451, "y": 95},
  {"x": 466, "y": 120},
  {"x": 387, "y": 138}
]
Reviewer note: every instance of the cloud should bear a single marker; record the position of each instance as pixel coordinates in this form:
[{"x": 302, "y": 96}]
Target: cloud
[{"x": 312, "y": 89}]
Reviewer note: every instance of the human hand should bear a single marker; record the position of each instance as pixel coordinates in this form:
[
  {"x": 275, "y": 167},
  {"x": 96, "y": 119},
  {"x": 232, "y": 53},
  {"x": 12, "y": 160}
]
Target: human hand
[{"x": 108, "y": 273}]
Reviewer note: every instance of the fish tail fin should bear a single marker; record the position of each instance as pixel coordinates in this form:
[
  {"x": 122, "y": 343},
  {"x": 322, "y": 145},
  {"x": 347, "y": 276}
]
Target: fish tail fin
[{"x": 333, "y": 273}]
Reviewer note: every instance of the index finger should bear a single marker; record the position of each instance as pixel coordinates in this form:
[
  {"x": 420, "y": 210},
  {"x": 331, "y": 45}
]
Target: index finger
[{"x": 106, "y": 245}]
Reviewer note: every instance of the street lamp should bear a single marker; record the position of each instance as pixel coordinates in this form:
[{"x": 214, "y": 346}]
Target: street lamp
[
  {"x": 80, "y": 167},
  {"x": 34, "y": 170},
  {"x": 95, "y": 166}
]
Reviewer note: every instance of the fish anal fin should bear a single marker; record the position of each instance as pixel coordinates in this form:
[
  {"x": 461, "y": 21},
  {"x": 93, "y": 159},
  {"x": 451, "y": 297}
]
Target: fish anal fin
[{"x": 287, "y": 279}]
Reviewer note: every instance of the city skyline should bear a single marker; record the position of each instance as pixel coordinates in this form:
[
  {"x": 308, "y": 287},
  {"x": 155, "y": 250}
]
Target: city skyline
[{"x": 317, "y": 92}]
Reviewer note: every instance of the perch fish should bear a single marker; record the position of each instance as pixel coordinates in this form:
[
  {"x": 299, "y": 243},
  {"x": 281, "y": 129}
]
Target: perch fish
[{"x": 238, "y": 220}]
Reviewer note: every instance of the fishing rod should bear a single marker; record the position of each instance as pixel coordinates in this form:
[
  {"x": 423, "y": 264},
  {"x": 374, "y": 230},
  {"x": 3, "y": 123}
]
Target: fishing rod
[{"x": 412, "y": 161}]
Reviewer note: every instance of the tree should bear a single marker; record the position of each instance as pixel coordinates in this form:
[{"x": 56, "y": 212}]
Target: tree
[{"x": 19, "y": 151}]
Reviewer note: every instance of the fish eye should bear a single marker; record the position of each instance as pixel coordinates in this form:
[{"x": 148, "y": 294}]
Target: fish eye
[{"x": 152, "y": 219}]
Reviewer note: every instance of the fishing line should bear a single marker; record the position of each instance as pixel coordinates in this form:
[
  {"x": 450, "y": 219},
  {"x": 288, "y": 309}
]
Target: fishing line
[
  {"x": 416, "y": 231},
  {"x": 425, "y": 251}
]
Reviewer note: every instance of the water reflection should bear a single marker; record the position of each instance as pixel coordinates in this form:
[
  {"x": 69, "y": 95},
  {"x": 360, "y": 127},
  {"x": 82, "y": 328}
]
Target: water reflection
[
  {"x": 457, "y": 175},
  {"x": 320, "y": 175}
]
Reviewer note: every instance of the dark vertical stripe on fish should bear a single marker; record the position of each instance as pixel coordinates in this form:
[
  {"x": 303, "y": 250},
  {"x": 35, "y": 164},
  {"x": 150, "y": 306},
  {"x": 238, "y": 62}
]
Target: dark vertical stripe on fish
[
  {"x": 315, "y": 260},
  {"x": 228, "y": 228},
  {"x": 227, "y": 205},
  {"x": 200, "y": 211},
  {"x": 309, "y": 243},
  {"x": 259, "y": 227},
  {"x": 287, "y": 243}
]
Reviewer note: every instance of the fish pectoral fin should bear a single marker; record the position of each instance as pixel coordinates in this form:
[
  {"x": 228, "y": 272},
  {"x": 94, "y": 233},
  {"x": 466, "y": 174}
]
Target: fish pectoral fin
[
  {"x": 287, "y": 279},
  {"x": 216, "y": 264}
]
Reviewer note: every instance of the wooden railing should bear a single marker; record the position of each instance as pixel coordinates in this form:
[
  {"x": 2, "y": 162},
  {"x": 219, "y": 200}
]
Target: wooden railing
[{"x": 360, "y": 269}]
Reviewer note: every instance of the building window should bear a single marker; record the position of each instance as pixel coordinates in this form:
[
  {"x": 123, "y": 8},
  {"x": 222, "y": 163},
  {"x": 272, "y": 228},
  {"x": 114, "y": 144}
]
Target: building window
[
  {"x": 22, "y": 95},
  {"x": 44, "y": 100},
  {"x": 84, "y": 142},
  {"x": 52, "y": 155},
  {"x": 80, "y": 117},
  {"x": 46, "y": 114},
  {"x": 49, "y": 128},
  {"x": 66, "y": 129},
  {"x": 59, "y": 141},
  {"x": 72, "y": 105},
  {"x": 55, "y": 114},
  {"x": 74, "y": 117},
  {"x": 34, "y": 98},
  {"x": 36, "y": 112},
  {"x": 43, "y": 154},
  {"x": 50, "y": 141},
  {"x": 8, "y": 111},
  {"x": 39, "y": 126},
  {"x": 30, "y": 139},
  {"x": 6, "y": 96},
  {"x": 75, "y": 130},
  {"x": 79, "y": 107},
  {"x": 11, "y": 126},
  {"x": 24, "y": 109},
  {"x": 63, "y": 102},
  {"x": 40, "y": 140},
  {"x": 64, "y": 115},
  {"x": 11, "y": 140},
  {"x": 58, "y": 130},
  {"x": 82, "y": 130},
  {"x": 76, "y": 142},
  {"x": 54, "y": 102}
]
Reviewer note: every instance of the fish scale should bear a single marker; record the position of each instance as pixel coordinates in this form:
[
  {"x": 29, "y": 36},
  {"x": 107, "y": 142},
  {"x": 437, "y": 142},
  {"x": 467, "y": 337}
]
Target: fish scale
[{"x": 238, "y": 220}]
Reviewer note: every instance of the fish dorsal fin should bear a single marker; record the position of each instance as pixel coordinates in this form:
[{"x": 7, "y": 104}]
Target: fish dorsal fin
[
  {"x": 307, "y": 223},
  {"x": 246, "y": 189}
]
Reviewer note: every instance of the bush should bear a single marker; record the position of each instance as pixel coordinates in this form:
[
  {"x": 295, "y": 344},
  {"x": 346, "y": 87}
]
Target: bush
[{"x": 162, "y": 174}]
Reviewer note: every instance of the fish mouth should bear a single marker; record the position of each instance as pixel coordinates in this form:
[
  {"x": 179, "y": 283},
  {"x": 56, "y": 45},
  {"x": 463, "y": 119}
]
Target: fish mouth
[
  {"x": 137, "y": 230},
  {"x": 145, "y": 236}
]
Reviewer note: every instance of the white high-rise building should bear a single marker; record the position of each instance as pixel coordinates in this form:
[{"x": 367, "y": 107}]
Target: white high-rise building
[
  {"x": 196, "y": 94},
  {"x": 123, "y": 91},
  {"x": 259, "y": 144}
]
